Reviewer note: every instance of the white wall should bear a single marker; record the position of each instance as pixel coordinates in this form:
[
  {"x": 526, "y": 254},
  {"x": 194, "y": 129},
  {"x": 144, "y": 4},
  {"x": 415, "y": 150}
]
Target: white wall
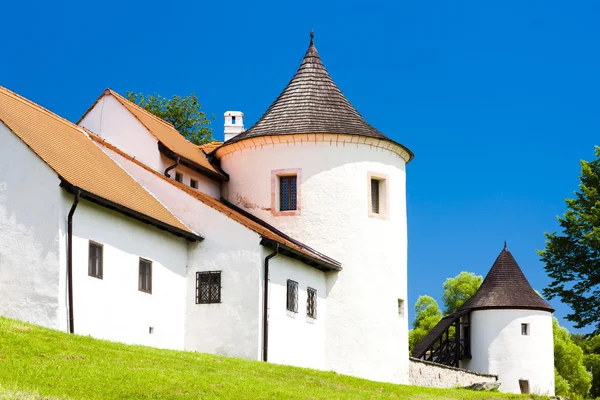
[
  {"x": 232, "y": 327},
  {"x": 29, "y": 239},
  {"x": 498, "y": 347},
  {"x": 294, "y": 338},
  {"x": 366, "y": 336},
  {"x": 110, "y": 120},
  {"x": 113, "y": 308}
]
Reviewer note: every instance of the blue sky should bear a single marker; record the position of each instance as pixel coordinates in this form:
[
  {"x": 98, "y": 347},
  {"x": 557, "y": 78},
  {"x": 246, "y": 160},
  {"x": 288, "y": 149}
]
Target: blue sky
[{"x": 498, "y": 100}]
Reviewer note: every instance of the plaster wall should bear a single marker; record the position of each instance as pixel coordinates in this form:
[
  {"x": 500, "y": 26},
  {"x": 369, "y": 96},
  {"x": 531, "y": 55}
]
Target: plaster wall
[
  {"x": 29, "y": 237},
  {"x": 295, "y": 338},
  {"x": 428, "y": 374},
  {"x": 366, "y": 335},
  {"x": 113, "y": 307},
  {"x": 115, "y": 124},
  {"x": 232, "y": 327},
  {"x": 498, "y": 347}
]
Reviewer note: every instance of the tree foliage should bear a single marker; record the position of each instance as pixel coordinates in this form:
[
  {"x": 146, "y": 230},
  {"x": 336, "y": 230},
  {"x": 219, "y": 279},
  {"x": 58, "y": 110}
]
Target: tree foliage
[
  {"x": 569, "y": 365},
  {"x": 427, "y": 315},
  {"x": 573, "y": 258},
  {"x": 459, "y": 289},
  {"x": 184, "y": 113}
]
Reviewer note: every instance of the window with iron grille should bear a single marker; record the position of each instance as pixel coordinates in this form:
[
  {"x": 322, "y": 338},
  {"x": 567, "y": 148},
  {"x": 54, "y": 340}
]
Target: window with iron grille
[
  {"x": 95, "y": 260},
  {"x": 375, "y": 196},
  {"x": 287, "y": 193},
  {"x": 292, "y": 296},
  {"x": 311, "y": 303},
  {"x": 208, "y": 287},
  {"x": 178, "y": 176},
  {"x": 145, "y": 281}
]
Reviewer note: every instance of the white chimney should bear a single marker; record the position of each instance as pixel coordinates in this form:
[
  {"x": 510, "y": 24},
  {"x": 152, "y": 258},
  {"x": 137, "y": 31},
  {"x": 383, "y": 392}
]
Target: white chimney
[{"x": 234, "y": 124}]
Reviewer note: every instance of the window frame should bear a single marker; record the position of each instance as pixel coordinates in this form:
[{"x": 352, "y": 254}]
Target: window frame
[
  {"x": 311, "y": 293},
  {"x": 383, "y": 196},
  {"x": 526, "y": 331},
  {"x": 276, "y": 194},
  {"x": 217, "y": 274},
  {"x": 194, "y": 183},
  {"x": 180, "y": 175},
  {"x": 292, "y": 296},
  {"x": 99, "y": 275},
  {"x": 149, "y": 263}
]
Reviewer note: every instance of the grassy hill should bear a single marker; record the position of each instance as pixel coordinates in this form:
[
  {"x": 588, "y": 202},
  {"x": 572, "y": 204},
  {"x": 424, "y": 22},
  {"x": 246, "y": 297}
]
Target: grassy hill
[{"x": 38, "y": 363}]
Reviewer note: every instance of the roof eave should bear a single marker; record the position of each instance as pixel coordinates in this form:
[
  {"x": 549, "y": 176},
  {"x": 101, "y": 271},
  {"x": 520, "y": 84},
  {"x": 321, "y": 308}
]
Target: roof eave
[
  {"x": 221, "y": 177},
  {"x": 290, "y": 252},
  {"x": 192, "y": 237}
]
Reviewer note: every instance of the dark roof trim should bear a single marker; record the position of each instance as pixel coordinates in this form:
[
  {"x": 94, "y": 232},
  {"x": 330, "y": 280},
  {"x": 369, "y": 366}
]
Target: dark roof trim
[
  {"x": 129, "y": 212},
  {"x": 190, "y": 164},
  {"x": 510, "y": 308},
  {"x": 319, "y": 260}
]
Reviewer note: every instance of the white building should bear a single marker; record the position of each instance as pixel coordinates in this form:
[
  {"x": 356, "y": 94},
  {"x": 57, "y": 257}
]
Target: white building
[
  {"x": 211, "y": 248},
  {"x": 505, "y": 330}
]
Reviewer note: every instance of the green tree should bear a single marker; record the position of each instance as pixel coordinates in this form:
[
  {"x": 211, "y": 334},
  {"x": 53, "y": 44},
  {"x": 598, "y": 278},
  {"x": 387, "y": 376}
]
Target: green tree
[
  {"x": 592, "y": 363},
  {"x": 572, "y": 257},
  {"x": 459, "y": 289},
  {"x": 427, "y": 315},
  {"x": 184, "y": 113},
  {"x": 568, "y": 362}
]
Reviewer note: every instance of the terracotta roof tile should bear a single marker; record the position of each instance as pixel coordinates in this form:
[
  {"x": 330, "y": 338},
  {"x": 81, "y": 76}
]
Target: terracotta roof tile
[
  {"x": 252, "y": 223},
  {"x": 68, "y": 150},
  {"x": 208, "y": 148},
  {"x": 312, "y": 103},
  {"x": 166, "y": 134}
]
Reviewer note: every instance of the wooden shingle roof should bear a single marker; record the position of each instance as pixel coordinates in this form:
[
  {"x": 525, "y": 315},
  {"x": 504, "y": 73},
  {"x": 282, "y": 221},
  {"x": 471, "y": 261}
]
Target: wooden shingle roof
[
  {"x": 82, "y": 165},
  {"x": 505, "y": 286},
  {"x": 311, "y": 103}
]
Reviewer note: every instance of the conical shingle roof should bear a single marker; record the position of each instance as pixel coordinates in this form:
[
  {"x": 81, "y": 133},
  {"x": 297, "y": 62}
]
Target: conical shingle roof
[
  {"x": 505, "y": 286},
  {"x": 311, "y": 103}
]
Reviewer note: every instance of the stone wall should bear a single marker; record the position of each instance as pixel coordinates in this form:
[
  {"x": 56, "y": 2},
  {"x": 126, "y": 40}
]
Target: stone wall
[{"x": 425, "y": 373}]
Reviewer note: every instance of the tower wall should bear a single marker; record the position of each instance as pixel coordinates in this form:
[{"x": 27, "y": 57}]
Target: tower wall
[
  {"x": 499, "y": 347},
  {"x": 366, "y": 329}
]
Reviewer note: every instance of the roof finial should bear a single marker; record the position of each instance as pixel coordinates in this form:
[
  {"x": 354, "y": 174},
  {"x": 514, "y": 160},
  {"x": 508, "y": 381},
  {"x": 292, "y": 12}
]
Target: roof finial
[
  {"x": 312, "y": 37},
  {"x": 505, "y": 248}
]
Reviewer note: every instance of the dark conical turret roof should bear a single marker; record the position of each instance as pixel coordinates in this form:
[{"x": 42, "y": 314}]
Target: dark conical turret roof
[
  {"x": 311, "y": 103},
  {"x": 505, "y": 286}
]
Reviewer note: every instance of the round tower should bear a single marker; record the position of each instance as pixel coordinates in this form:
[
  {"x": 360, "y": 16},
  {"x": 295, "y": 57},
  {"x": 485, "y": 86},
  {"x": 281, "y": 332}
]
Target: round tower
[
  {"x": 315, "y": 169},
  {"x": 511, "y": 331}
]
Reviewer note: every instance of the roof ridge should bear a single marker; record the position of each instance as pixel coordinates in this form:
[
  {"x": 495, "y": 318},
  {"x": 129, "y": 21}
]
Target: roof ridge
[
  {"x": 30, "y": 103},
  {"x": 119, "y": 97}
]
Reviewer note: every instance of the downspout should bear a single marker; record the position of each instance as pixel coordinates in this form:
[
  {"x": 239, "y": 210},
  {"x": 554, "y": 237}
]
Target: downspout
[
  {"x": 171, "y": 167},
  {"x": 266, "y": 303},
  {"x": 70, "y": 259}
]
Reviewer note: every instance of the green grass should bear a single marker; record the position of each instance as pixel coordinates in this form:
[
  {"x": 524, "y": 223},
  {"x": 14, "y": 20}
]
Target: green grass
[{"x": 42, "y": 364}]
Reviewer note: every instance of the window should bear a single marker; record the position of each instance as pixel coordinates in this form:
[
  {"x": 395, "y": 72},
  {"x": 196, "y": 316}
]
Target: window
[
  {"x": 233, "y": 120},
  {"x": 145, "y": 283},
  {"x": 194, "y": 183},
  {"x": 374, "y": 196},
  {"x": 178, "y": 176},
  {"x": 287, "y": 193},
  {"x": 292, "y": 296},
  {"x": 95, "y": 260},
  {"x": 524, "y": 329},
  {"x": 524, "y": 386},
  {"x": 401, "y": 307},
  {"x": 208, "y": 287},
  {"x": 311, "y": 303}
]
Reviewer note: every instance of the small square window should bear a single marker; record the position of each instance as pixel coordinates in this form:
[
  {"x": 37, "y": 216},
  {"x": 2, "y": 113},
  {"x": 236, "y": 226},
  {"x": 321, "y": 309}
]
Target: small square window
[
  {"x": 524, "y": 329},
  {"x": 178, "y": 176},
  {"x": 233, "y": 120},
  {"x": 145, "y": 280},
  {"x": 208, "y": 287},
  {"x": 95, "y": 260},
  {"x": 311, "y": 303},
  {"x": 292, "y": 296},
  {"x": 193, "y": 184},
  {"x": 287, "y": 193}
]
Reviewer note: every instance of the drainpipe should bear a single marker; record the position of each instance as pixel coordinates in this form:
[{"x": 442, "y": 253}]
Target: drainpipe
[
  {"x": 171, "y": 167},
  {"x": 266, "y": 303},
  {"x": 70, "y": 259}
]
